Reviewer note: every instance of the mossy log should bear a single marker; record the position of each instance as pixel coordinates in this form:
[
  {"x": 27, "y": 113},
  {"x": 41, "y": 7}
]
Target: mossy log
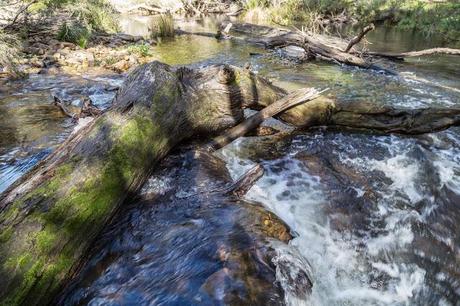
[{"x": 49, "y": 218}]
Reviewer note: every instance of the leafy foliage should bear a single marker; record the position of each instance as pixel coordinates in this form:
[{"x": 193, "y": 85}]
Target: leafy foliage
[
  {"x": 429, "y": 17},
  {"x": 74, "y": 33}
]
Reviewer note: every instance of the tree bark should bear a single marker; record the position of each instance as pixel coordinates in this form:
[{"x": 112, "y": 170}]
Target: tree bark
[
  {"x": 363, "y": 115},
  {"x": 355, "y": 40},
  {"x": 292, "y": 99},
  {"x": 315, "y": 45}
]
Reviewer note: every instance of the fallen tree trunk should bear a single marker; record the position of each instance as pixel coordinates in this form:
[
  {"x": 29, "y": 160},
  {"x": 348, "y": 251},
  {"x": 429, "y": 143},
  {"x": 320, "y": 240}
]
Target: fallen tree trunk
[
  {"x": 328, "y": 111},
  {"x": 364, "y": 115},
  {"x": 49, "y": 218},
  {"x": 325, "y": 47}
]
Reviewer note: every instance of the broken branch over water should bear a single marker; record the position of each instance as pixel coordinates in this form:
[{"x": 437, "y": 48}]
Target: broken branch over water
[{"x": 295, "y": 98}]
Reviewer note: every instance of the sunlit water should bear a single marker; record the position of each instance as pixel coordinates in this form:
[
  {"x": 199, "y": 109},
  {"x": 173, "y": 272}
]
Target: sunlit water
[{"x": 376, "y": 217}]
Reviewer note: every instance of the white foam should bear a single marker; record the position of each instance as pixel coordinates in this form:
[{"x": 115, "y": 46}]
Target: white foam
[{"x": 342, "y": 264}]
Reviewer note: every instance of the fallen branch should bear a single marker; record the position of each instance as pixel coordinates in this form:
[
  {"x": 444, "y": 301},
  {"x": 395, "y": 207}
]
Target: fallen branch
[
  {"x": 246, "y": 181},
  {"x": 295, "y": 98},
  {"x": 238, "y": 188},
  {"x": 355, "y": 40},
  {"x": 87, "y": 109},
  {"x": 433, "y": 51},
  {"x": 19, "y": 13},
  {"x": 324, "y": 47},
  {"x": 59, "y": 103}
]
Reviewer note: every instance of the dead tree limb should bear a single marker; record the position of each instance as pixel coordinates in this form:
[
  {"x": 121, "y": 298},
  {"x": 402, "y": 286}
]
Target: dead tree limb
[
  {"x": 295, "y": 98},
  {"x": 246, "y": 181},
  {"x": 87, "y": 109},
  {"x": 19, "y": 13},
  {"x": 324, "y": 47},
  {"x": 355, "y": 40},
  {"x": 426, "y": 52},
  {"x": 61, "y": 104}
]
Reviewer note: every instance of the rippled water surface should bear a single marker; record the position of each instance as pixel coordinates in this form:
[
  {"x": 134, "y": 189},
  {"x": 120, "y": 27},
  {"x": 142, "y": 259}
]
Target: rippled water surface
[{"x": 375, "y": 217}]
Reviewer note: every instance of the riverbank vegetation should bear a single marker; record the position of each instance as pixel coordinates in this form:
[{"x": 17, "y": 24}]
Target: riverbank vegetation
[{"x": 433, "y": 18}]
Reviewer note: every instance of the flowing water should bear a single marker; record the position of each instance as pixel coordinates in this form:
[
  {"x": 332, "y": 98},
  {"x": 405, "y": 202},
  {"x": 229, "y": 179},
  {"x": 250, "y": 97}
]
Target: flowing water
[{"x": 374, "y": 216}]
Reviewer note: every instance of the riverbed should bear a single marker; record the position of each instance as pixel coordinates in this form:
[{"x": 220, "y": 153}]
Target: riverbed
[{"x": 374, "y": 217}]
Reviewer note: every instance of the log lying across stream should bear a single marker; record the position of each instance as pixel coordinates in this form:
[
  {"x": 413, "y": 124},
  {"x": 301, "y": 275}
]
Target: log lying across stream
[
  {"x": 324, "y": 47},
  {"x": 49, "y": 218}
]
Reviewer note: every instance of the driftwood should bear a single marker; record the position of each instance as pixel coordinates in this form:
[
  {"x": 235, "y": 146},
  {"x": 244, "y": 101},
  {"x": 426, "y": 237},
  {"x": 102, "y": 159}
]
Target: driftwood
[
  {"x": 49, "y": 218},
  {"x": 315, "y": 45},
  {"x": 246, "y": 181},
  {"x": 363, "y": 115}
]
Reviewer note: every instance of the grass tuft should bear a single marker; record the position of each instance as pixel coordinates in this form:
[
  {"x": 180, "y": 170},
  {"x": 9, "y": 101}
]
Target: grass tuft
[
  {"x": 9, "y": 52},
  {"x": 162, "y": 26}
]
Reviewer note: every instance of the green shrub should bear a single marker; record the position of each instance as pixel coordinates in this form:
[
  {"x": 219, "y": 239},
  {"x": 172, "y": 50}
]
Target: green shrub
[
  {"x": 96, "y": 15},
  {"x": 141, "y": 50},
  {"x": 75, "y": 33}
]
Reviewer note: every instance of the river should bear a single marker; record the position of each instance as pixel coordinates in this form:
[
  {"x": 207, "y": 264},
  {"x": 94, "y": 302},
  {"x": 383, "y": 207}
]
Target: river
[{"x": 374, "y": 217}]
